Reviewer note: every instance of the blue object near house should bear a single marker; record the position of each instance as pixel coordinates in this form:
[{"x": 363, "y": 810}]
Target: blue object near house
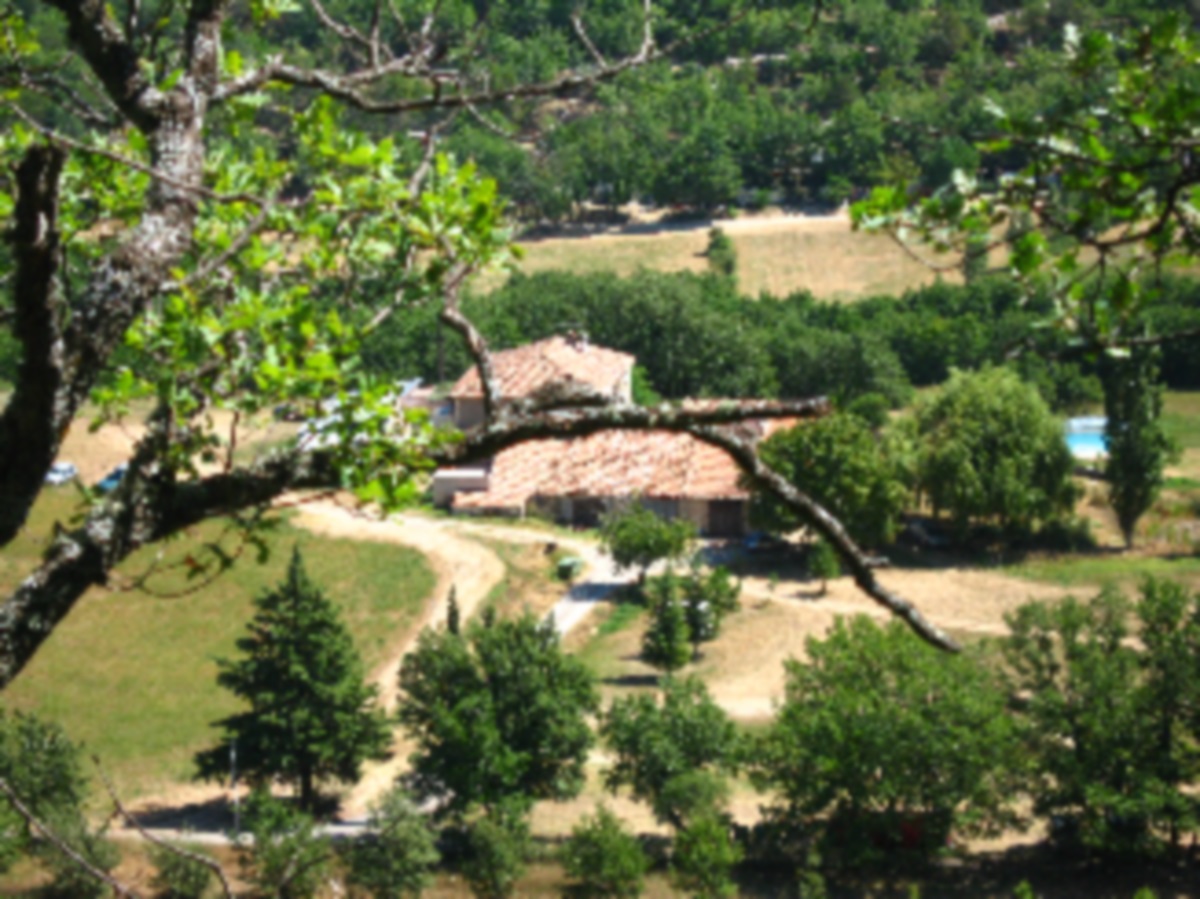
[{"x": 1085, "y": 436}]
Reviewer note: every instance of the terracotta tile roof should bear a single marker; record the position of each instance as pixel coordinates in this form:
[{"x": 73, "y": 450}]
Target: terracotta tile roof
[
  {"x": 521, "y": 372},
  {"x": 652, "y": 464}
]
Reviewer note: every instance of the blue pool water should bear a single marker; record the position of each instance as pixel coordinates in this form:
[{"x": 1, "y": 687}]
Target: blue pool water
[
  {"x": 1085, "y": 436},
  {"x": 1085, "y": 444}
]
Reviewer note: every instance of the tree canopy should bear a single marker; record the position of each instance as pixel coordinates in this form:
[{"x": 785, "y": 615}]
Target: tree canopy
[
  {"x": 990, "y": 450},
  {"x": 876, "y": 729},
  {"x": 498, "y": 714}
]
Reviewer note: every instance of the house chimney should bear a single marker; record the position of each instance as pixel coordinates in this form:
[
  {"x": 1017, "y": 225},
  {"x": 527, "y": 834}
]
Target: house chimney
[{"x": 577, "y": 339}]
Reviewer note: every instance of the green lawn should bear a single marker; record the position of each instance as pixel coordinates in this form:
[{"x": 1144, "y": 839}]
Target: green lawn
[
  {"x": 132, "y": 675},
  {"x": 1093, "y": 571},
  {"x": 1181, "y": 417}
]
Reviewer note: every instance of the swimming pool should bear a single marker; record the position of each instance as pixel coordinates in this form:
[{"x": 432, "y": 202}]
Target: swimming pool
[{"x": 1085, "y": 436}]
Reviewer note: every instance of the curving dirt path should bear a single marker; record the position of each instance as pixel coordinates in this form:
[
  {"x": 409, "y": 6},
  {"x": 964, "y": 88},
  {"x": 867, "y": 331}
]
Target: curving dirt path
[{"x": 464, "y": 564}]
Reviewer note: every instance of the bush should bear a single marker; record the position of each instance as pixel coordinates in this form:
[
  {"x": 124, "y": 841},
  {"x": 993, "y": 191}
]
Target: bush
[
  {"x": 823, "y": 563},
  {"x": 722, "y": 257},
  {"x": 41, "y": 766},
  {"x": 498, "y": 845},
  {"x": 605, "y": 858},
  {"x": 287, "y": 859},
  {"x": 177, "y": 876},
  {"x": 394, "y": 859},
  {"x": 703, "y": 857},
  {"x": 666, "y": 643},
  {"x": 70, "y": 881}
]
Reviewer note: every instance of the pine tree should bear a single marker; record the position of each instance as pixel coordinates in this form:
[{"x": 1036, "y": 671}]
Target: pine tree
[
  {"x": 667, "y": 639},
  {"x": 311, "y": 715}
]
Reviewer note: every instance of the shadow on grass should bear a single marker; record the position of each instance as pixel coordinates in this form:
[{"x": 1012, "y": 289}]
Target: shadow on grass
[
  {"x": 633, "y": 680},
  {"x": 212, "y": 816}
]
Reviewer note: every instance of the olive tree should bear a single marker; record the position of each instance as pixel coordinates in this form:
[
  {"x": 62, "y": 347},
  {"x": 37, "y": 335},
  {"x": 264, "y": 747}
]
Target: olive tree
[{"x": 636, "y": 537}]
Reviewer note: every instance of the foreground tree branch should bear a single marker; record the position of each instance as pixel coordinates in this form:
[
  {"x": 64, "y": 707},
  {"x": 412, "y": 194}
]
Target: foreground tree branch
[
  {"x": 861, "y": 566},
  {"x": 62, "y": 845}
]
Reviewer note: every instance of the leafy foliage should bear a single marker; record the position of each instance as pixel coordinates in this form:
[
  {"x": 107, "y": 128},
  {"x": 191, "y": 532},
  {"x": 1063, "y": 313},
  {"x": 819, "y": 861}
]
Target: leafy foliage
[
  {"x": 287, "y": 858},
  {"x": 42, "y": 767},
  {"x": 842, "y": 465},
  {"x": 498, "y": 845},
  {"x": 394, "y": 859},
  {"x": 636, "y": 537},
  {"x": 707, "y": 598},
  {"x": 704, "y": 855},
  {"x": 823, "y": 563},
  {"x": 604, "y": 857},
  {"x": 1106, "y": 723},
  {"x": 1118, "y": 145},
  {"x": 656, "y": 745},
  {"x": 665, "y": 643},
  {"x": 989, "y": 449},
  {"x": 177, "y": 876},
  {"x": 498, "y": 714},
  {"x": 69, "y": 879},
  {"x": 720, "y": 252},
  {"x": 310, "y": 714},
  {"x": 878, "y": 729}
]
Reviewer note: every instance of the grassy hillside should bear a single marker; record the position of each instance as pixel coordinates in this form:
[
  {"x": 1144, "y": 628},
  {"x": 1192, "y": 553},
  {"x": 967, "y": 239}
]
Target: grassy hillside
[{"x": 131, "y": 673}]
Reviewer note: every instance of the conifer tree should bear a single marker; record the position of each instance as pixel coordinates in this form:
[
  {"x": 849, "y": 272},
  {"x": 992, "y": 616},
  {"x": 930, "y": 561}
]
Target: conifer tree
[
  {"x": 310, "y": 716},
  {"x": 1137, "y": 445},
  {"x": 666, "y": 644}
]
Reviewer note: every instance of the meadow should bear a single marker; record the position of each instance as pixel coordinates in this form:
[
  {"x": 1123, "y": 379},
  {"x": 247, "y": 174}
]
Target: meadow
[{"x": 131, "y": 673}]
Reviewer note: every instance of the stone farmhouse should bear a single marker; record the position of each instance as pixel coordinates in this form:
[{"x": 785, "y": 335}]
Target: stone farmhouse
[{"x": 575, "y": 481}]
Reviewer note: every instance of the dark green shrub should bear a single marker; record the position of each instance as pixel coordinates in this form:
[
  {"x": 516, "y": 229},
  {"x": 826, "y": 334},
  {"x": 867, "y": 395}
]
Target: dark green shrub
[
  {"x": 395, "y": 857},
  {"x": 498, "y": 845},
  {"x": 704, "y": 855},
  {"x": 606, "y": 859},
  {"x": 177, "y": 876},
  {"x": 287, "y": 859}
]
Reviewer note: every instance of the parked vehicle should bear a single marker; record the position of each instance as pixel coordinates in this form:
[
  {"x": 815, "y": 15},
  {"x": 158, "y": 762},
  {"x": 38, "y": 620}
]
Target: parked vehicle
[{"x": 61, "y": 472}]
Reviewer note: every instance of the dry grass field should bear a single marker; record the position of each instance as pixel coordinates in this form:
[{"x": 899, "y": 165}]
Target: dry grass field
[{"x": 776, "y": 254}]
